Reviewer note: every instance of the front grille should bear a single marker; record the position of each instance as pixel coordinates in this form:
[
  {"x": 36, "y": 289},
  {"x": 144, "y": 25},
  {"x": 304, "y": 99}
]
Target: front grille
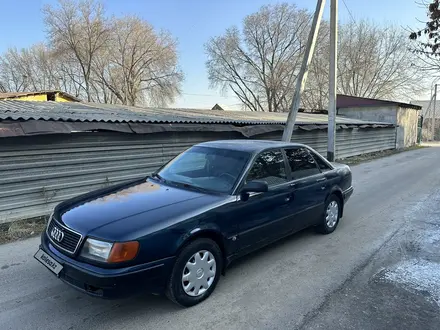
[{"x": 70, "y": 240}]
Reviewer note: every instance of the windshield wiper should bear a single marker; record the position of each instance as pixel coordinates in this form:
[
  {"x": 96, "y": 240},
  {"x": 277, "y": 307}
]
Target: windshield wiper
[
  {"x": 190, "y": 186},
  {"x": 158, "y": 176},
  {"x": 180, "y": 184}
]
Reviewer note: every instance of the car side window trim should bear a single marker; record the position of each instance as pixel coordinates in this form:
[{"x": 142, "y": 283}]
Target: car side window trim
[
  {"x": 279, "y": 186},
  {"x": 315, "y": 155},
  {"x": 287, "y": 165},
  {"x": 306, "y": 178},
  {"x": 314, "y": 160}
]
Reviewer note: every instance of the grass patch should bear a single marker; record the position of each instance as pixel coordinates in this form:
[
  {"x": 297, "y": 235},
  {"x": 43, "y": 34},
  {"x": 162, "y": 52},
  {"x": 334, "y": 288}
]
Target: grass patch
[
  {"x": 19, "y": 230},
  {"x": 376, "y": 155}
]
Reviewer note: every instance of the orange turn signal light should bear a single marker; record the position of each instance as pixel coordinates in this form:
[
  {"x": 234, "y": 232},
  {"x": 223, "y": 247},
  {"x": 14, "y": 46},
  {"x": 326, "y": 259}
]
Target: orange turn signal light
[{"x": 123, "y": 252}]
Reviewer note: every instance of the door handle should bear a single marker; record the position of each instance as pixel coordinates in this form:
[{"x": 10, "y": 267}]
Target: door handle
[
  {"x": 292, "y": 185},
  {"x": 320, "y": 179}
]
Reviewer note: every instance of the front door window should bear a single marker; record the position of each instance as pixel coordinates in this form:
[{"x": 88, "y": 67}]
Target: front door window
[{"x": 269, "y": 166}]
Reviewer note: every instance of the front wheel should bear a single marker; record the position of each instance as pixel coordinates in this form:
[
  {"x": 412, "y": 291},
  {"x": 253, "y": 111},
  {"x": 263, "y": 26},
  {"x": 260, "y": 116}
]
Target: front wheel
[
  {"x": 332, "y": 213},
  {"x": 195, "y": 273}
]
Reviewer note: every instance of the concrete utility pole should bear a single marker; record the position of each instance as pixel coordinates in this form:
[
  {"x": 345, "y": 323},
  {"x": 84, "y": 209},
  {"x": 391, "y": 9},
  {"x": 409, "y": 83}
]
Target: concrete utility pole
[
  {"x": 331, "y": 145},
  {"x": 302, "y": 76},
  {"x": 433, "y": 114}
]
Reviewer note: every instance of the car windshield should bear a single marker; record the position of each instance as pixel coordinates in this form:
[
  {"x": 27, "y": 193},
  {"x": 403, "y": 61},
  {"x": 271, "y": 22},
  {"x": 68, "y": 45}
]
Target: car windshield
[{"x": 207, "y": 168}]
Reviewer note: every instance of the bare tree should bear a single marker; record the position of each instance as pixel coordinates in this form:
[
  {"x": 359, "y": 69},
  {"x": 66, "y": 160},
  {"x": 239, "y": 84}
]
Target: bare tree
[
  {"x": 260, "y": 63},
  {"x": 373, "y": 62},
  {"x": 426, "y": 41},
  {"x": 11, "y": 74},
  {"x": 28, "y": 69},
  {"x": 139, "y": 65},
  {"x": 79, "y": 30},
  {"x": 118, "y": 60},
  {"x": 428, "y": 62},
  {"x": 376, "y": 62},
  {"x": 39, "y": 68},
  {"x": 316, "y": 90}
]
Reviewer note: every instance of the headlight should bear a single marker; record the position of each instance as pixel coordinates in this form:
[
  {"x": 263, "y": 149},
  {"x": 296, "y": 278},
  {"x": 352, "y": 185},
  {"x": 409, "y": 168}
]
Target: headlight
[
  {"x": 96, "y": 250},
  {"x": 109, "y": 252}
]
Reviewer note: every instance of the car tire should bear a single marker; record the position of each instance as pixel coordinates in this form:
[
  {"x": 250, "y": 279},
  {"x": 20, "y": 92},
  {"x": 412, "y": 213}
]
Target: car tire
[
  {"x": 204, "y": 276},
  {"x": 331, "y": 216}
]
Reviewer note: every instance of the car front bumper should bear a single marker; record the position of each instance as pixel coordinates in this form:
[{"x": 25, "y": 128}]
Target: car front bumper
[{"x": 111, "y": 283}]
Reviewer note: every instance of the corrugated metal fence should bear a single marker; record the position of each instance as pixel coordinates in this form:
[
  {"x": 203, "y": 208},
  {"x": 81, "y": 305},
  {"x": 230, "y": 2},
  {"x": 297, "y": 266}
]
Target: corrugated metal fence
[{"x": 36, "y": 173}]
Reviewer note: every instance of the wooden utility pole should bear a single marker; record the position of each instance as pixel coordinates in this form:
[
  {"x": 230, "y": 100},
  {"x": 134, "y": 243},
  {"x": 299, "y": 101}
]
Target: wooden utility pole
[
  {"x": 302, "y": 76},
  {"x": 331, "y": 144}
]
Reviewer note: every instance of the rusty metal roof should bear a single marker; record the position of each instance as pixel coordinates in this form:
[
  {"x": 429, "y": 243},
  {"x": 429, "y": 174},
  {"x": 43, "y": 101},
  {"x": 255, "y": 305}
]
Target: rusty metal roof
[
  {"x": 347, "y": 101},
  {"x": 13, "y": 95},
  {"x": 111, "y": 113}
]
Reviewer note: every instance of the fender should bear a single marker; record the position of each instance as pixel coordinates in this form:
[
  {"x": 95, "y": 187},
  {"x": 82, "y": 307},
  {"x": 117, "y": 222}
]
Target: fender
[
  {"x": 338, "y": 192},
  {"x": 208, "y": 231}
]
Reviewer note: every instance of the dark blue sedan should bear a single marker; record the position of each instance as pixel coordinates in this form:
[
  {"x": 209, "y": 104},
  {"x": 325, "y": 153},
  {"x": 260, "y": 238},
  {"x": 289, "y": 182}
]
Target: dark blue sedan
[{"x": 176, "y": 231}]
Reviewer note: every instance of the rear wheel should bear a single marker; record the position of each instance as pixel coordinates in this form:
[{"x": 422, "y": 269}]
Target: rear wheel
[
  {"x": 195, "y": 273},
  {"x": 332, "y": 213}
]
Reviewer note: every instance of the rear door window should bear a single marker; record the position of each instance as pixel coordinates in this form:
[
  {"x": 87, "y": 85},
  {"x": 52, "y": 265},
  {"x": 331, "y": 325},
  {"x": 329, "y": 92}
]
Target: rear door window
[
  {"x": 323, "y": 166},
  {"x": 301, "y": 162}
]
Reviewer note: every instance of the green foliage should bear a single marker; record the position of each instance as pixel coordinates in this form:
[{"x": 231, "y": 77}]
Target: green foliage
[{"x": 430, "y": 32}]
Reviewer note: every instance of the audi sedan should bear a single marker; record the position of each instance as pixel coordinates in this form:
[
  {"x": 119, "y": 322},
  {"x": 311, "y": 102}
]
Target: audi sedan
[{"x": 176, "y": 231}]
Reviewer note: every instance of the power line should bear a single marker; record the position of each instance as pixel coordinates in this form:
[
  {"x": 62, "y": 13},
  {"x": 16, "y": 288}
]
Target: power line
[{"x": 349, "y": 12}]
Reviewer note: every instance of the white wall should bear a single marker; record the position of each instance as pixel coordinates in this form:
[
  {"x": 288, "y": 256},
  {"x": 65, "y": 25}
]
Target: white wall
[{"x": 408, "y": 118}]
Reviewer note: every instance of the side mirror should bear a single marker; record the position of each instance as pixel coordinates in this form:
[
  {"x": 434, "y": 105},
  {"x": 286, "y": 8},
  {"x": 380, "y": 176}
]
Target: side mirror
[{"x": 253, "y": 186}]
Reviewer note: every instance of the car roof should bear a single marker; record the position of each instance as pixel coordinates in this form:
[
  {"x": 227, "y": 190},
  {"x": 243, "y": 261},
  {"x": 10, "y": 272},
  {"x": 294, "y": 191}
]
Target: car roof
[{"x": 252, "y": 146}]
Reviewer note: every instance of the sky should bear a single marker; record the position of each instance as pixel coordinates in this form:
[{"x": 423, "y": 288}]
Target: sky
[{"x": 193, "y": 23}]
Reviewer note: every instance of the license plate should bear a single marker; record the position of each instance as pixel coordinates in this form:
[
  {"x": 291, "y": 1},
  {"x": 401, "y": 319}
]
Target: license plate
[{"x": 48, "y": 261}]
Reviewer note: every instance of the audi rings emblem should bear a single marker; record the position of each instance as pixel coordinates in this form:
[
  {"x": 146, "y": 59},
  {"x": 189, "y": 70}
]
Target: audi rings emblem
[{"x": 57, "y": 234}]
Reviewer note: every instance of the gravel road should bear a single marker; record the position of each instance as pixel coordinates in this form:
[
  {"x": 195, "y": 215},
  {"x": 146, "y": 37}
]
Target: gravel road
[{"x": 288, "y": 285}]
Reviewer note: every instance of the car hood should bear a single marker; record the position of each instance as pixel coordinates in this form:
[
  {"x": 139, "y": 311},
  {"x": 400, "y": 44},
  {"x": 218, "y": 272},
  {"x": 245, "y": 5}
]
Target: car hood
[{"x": 87, "y": 214}]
